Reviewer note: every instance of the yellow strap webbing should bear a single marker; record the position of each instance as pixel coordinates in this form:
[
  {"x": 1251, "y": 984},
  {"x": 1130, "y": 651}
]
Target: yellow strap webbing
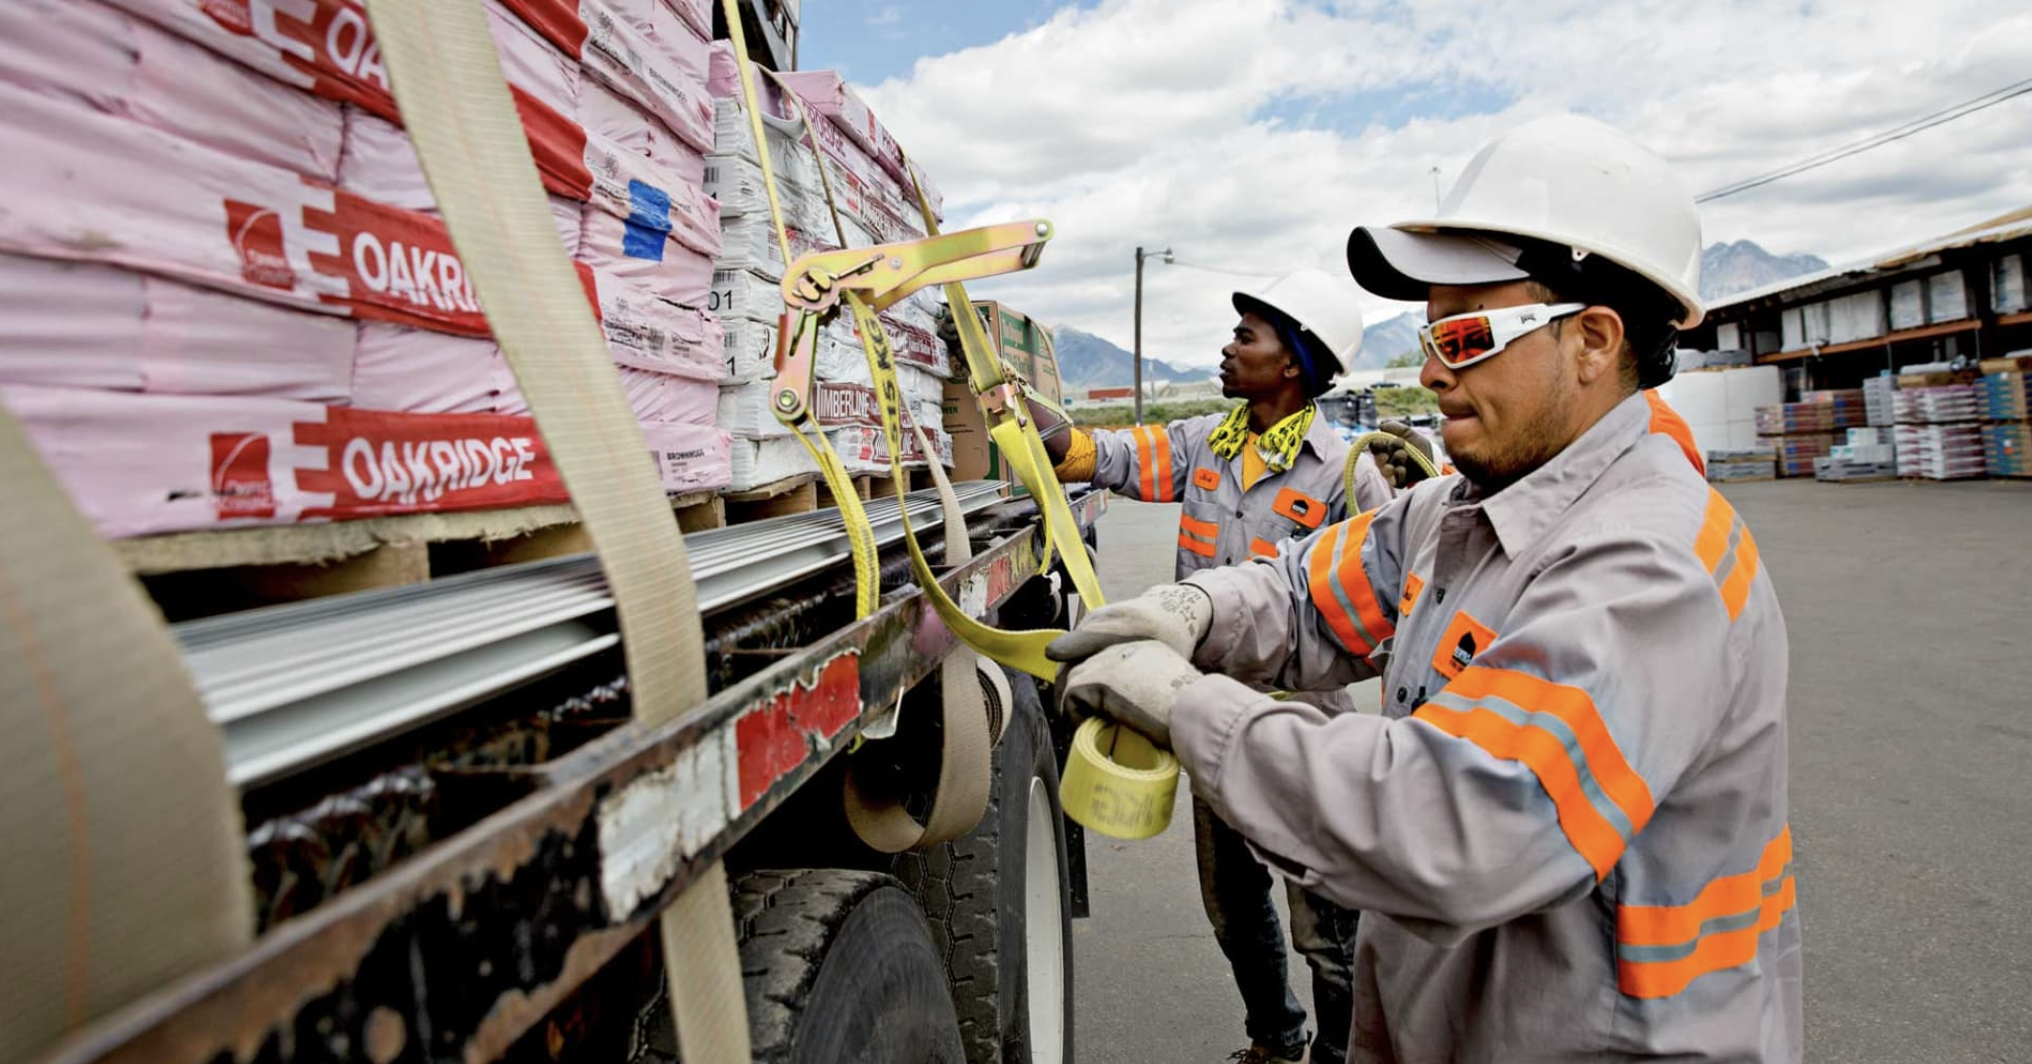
[
  {"x": 447, "y": 81},
  {"x": 854, "y": 516}
]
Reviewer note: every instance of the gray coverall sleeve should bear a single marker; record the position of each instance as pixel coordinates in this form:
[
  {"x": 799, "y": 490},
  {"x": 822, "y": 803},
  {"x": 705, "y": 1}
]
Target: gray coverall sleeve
[
  {"x": 1519, "y": 785},
  {"x": 1149, "y": 463},
  {"x": 1317, "y": 616}
]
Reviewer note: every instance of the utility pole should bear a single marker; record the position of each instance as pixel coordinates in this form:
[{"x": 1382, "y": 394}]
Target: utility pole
[
  {"x": 1137, "y": 398},
  {"x": 1436, "y": 205}
]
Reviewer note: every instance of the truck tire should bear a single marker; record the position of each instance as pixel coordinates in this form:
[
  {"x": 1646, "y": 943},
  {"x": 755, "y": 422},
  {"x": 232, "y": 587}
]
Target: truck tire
[
  {"x": 839, "y": 967},
  {"x": 998, "y": 905}
]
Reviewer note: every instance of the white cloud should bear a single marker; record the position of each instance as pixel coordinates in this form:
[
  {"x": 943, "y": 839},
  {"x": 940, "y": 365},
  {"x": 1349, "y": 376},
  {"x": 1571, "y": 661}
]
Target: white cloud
[{"x": 1144, "y": 122}]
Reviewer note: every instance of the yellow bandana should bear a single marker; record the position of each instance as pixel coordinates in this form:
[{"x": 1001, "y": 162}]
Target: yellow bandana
[{"x": 1278, "y": 446}]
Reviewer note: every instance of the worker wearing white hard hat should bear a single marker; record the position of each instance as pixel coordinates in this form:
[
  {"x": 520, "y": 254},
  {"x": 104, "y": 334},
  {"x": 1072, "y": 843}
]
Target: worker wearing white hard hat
[
  {"x": 1252, "y": 482},
  {"x": 1567, "y": 830}
]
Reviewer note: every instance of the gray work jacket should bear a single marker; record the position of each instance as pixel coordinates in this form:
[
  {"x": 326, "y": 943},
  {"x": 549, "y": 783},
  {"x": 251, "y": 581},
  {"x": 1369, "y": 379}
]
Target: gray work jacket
[{"x": 1568, "y": 830}]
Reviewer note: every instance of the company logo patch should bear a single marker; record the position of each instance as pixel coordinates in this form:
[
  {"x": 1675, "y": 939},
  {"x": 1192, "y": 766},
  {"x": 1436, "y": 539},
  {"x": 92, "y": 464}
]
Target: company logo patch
[
  {"x": 1465, "y": 637},
  {"x": 256, "y": 233},
  {"x": 240, "y": 483}
]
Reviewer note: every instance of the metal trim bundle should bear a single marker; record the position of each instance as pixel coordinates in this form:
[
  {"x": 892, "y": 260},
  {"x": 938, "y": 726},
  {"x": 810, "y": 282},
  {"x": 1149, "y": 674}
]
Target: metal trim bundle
[{"x": 298, "y": 684}]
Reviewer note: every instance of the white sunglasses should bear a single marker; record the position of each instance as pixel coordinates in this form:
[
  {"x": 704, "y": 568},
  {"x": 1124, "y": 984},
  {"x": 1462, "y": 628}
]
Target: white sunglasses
[{"x": 1465, "y": 339}]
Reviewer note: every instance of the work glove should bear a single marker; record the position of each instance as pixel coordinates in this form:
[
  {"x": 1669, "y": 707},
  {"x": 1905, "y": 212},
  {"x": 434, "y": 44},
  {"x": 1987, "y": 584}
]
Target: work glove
[
  {"x": 1176, "y": 615},
  {"x": 1134, "y": 683},
  {"x": 1393, "y": 457}
]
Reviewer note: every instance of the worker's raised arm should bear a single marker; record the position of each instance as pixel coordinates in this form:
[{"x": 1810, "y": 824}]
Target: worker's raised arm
[
  {"x": 1519, "y": 784},
  {"x": 1148, "y": 462},
  {"x": 1318, "y": 615}
]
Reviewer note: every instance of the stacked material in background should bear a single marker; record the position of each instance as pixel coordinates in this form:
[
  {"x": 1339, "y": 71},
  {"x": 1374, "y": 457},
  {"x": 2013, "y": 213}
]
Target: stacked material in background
[
  {"x": 1720, "y": 406},
  {"x": 1748, "y": 463},
  {"x": 1877, "y": 401},
  {"x": 1848, "y": 407},
  {"x": 1796, "y": 454},
  {"x": 1937, "y": 434},
  {"x": 1791, "y": 419},
  {"x": 871, "y": 202},
  {"x": 2006, "y": 400},
  {"x": 230, "y": 300},
  {"x": 2005, "y": 396},
  {"x": 1797, "y": 433},
  {"x": 1869, "y": 454}
]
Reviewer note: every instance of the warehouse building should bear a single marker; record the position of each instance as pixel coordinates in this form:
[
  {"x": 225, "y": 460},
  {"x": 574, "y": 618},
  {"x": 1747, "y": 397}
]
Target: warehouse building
[{"x": 1959, "y": 295}]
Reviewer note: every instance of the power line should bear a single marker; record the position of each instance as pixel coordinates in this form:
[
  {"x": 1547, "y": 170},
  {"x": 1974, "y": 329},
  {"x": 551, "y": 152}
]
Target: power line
[
  {"x": 1940, "y": 117},
  {"x": 1175, "y": 261}
]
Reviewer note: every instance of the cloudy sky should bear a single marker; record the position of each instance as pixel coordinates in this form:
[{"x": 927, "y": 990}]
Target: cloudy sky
[{"x": 1249, "y": 135}]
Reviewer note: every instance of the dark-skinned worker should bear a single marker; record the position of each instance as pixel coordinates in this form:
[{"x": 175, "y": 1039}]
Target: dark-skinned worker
[
  {"x": 1567, "y": 832},
  {"x": 1261, "y": 476}
]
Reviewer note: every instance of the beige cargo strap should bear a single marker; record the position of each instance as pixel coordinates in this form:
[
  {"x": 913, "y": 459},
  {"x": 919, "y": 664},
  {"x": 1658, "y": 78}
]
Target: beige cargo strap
[
  {"x": 965, "y": 767},
  {"x": 125, "y": 862},
  {"x": 447, "y": 82}
]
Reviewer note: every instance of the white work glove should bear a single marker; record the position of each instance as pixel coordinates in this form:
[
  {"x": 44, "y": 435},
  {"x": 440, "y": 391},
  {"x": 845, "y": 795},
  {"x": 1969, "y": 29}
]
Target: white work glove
[
  {"x": 1134, "y": 683},
  {"x": 1176, "y": 615}
]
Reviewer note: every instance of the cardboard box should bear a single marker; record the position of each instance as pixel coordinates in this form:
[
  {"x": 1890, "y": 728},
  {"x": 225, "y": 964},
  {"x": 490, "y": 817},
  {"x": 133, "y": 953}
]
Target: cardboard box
[{"x": 1025, "y": 346}]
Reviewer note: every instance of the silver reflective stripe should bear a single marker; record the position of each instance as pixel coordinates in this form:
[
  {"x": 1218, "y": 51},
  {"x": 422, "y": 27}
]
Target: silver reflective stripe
[
  {"x": 1717, "y": 926},
  {"x": 1340, "y": 591},
  {"x": 1558, "y": 729}
]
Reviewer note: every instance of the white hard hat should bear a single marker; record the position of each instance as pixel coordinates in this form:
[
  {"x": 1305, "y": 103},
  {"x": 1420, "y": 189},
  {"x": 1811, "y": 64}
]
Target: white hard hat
[
  {"x": 1315, "y": 302},
  {"x": 1566, "y": 180}
]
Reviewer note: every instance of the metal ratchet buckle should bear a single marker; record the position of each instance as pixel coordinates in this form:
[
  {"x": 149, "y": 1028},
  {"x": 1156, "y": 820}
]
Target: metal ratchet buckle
[{"x": 883, "y": 275}]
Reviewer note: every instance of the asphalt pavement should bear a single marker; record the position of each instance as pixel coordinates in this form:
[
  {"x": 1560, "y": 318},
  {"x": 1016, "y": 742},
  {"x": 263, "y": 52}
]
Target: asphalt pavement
[{"x": 1909, "y": 608}]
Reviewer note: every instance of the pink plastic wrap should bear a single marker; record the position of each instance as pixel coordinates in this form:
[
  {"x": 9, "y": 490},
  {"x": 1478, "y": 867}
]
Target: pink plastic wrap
[
  {"x": 82, "y": 51},
  {"x": 660, "y": 397},
  {"x": 626, "y": 60},
  {"x": 608, "y": 117},
  {"x": 380, "y": 164},
  {"x": 698, "y": 14},
  {"x": 827, "y": 95},
  {"x": 415, "y": 371},
  {"x": 86, "y": 325},
  {"x": 143, "y": 464},
  {"x": 646, "y": 257},
  {"x": 647, "y": 333},
  {"x": 407, "y": 370}
]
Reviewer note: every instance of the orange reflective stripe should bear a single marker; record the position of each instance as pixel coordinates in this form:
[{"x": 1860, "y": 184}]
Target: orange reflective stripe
[
  {"x": 1712, "y": 544},
  {"x": 1300, "y": 507},
  {"x": 1671, "y": 925},
  {"x": 1736, "y": 589},
  {"x": 1197, "y": 527},
  {"x": 1662, "y": 949},
  {"x": 1667, "y": 422},
  {"x": 1199, "y": 547},
  {"x": 1539, "y": 750},
  {"x": 1197, "y": 536},
  {"x": 1718, "y": 528},
  {"x": 1262, "y": 548},
  {"x": 1342, "y": 592},
  {"x": 1547, "y": 754},
  {"x": 1161, "y": 467},
  {"x": 1146, "y": 462}
]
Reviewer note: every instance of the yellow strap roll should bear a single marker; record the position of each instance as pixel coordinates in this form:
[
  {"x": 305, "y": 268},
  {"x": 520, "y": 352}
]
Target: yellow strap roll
[
  {"x": 1118, "y": 782},
  {"x": 1361, "y": 447},
  {"x": 469, "y": 138}
]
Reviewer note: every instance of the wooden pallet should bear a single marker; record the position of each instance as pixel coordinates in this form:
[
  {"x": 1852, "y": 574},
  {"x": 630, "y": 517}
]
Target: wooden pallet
[{"x": 201, "y": 574}]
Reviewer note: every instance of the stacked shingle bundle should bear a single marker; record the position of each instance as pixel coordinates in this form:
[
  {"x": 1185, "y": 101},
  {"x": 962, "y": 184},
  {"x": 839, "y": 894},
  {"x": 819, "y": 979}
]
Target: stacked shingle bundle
[
  {"x": 230, "y": 297},
  {"x": 845, "y": 191}
]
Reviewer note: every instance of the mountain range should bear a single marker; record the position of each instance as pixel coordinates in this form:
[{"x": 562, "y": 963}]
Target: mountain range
[{"x": 1087, "y": 361}]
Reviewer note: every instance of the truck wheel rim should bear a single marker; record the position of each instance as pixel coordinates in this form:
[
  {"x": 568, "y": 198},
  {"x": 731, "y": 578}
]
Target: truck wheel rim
[{"x": 1043, "y": 929}]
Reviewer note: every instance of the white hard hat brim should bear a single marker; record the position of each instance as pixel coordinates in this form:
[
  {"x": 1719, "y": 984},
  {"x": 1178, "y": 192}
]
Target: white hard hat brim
[{"x": 1396, "y": 264}]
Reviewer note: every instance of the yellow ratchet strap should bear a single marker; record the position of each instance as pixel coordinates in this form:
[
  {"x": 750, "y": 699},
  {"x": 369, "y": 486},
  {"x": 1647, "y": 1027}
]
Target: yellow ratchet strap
[
  {"x": 790, "y": 396},
  {"x": 1002, "y": 398}
]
